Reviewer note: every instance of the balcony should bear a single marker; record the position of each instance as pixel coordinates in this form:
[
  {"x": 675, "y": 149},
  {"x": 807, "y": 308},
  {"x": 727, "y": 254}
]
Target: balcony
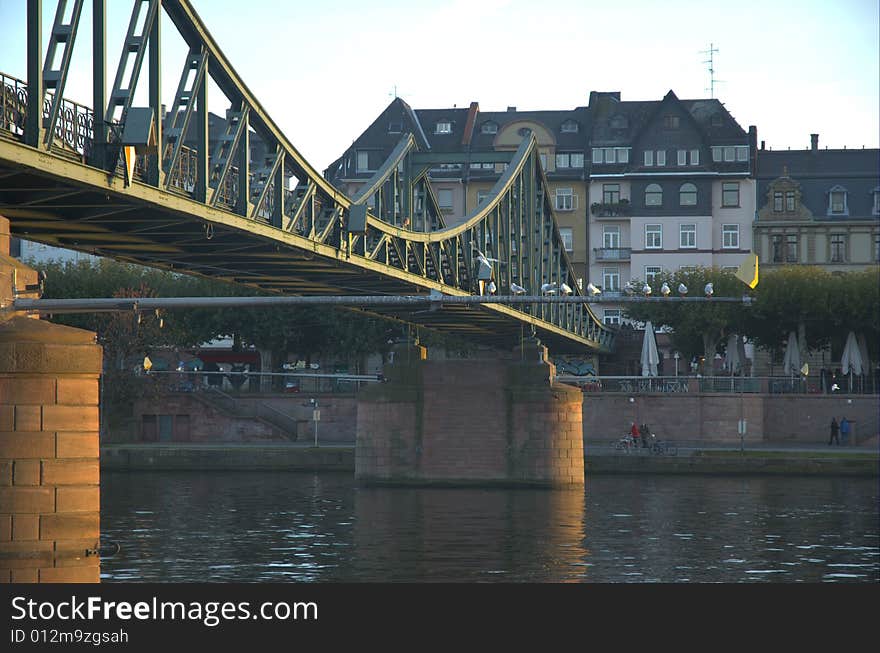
[
  {"x": 612, "y": 253},
  {"x": 610, "y": 209}
]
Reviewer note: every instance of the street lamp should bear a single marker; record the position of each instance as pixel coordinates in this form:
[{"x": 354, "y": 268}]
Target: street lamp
[{"x": 676, "y": 356}]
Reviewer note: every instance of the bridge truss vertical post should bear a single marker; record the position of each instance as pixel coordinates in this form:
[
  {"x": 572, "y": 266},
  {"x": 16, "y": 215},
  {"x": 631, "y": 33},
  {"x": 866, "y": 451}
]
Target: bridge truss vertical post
[
  {"x": 155, "y": 173},
  {"x": 99, "y": 83},
  {"x": 202, "y": 172},
  {"x": 244, "y": 149},
  {"x": 34, "y": 126}
]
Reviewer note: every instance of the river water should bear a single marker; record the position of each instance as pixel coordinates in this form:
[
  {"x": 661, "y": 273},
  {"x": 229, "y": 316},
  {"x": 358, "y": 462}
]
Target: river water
[{"x": 306, "y": 527}]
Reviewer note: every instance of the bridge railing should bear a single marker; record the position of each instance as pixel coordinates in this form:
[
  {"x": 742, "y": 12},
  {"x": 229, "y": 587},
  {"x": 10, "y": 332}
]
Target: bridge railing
[{"x": 635, "y": 385}]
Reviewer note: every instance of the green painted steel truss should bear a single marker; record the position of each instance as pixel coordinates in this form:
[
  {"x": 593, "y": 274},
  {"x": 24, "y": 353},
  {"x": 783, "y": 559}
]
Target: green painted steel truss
[{"x": 198, "y": 205}]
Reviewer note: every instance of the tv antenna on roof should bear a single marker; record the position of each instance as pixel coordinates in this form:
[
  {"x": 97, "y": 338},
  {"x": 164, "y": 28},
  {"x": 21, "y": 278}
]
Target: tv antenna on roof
[{"x": 711, "y": 61}]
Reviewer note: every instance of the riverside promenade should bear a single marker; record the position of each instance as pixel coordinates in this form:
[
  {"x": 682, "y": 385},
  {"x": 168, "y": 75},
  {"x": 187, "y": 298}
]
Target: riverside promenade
[{"x": 599, "y": 458}]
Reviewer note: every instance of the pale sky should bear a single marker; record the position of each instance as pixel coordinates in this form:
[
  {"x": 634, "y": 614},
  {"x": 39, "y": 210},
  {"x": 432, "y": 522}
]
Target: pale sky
[{"x": 324, "y": 70}]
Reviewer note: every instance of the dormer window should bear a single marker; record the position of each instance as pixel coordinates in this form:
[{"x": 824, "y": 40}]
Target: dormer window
[
  {"x": 671, "y": 122},
  {"x": 619, "y": 122},
  {"x": 489, "y": 127},
  {"x": 395, "y": 127},
  {"x": 569, "y": 127},
  {"x": 717, "y": 120},
  {"x": 837, "y": 201},
  {"x": 443, "y": 127}
]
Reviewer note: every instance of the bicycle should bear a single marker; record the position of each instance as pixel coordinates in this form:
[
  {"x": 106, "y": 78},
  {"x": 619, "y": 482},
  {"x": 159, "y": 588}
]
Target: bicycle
[
  {"x": 661, "y": 447},
  {"x": 626, "y": 443}
]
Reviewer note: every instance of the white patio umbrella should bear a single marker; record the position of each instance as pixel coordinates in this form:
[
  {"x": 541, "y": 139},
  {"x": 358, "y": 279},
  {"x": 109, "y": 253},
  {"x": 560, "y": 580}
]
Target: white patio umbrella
[
  {"x": 650, "y": 357},
  {"x": 791, "y": 362},
  {"x": 851, "y": 361},
  {"x": 734, "y": 354},
  {"x": 863, "y": 350}
]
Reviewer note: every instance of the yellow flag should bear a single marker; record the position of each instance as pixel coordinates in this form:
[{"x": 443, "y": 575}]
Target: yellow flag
[
  {"x": 129, "y": 154},
  {"x": 748, "y": 271},
  {"x": 148, "y": 364},
  {"x": 805, "y": 370}
]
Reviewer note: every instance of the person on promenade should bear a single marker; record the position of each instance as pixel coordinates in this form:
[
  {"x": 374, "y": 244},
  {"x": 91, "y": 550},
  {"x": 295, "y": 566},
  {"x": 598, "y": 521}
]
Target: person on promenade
[
  {"x": 844, "y": 430},
  {"x": 645, "y": 432},
  {"x": 634, "y": 434},
  {"x": 834, "y": 430}
]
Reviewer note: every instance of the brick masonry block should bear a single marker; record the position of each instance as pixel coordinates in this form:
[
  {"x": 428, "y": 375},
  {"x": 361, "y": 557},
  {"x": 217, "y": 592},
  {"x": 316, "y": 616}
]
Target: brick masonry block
[
  {"x": 28, "y": 418},
  {"x": 5, "y": 528},
  {"x": 72, "y": 526},
  {"x": 27, "y": 390},
  {"x": 25, "y": 527},
  {"x": 78, "y": 392},
  {"x": 77, "y": 445},
  {"x": 5, "y": 472},
  {"x": 26, "y": 472},
  {"x": 25, "y": 575},
  {"x": 70, "y": 418},
  {"x": 71, "y": 575},
  {"x": 7, "y": 417},
  {"x": 77, "y": 553},
  {"x": 77, "y": 499},
  {"x": 27, "y": 499},
  {"x": 21, "y": 444},
  {"x": 24, "y": 555},
  {"x": 70, "y": 472}
]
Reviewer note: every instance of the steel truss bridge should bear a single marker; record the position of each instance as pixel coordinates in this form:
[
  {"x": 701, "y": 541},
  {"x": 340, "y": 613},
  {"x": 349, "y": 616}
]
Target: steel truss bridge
[{"x": 202, "y": 207}]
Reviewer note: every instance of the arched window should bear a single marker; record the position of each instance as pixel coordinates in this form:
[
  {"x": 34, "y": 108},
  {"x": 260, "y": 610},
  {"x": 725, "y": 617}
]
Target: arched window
[
  {"x": 653, "y": 195},
  {"x": 524, "y": 132},
  {"x": 687, "y": 195}
]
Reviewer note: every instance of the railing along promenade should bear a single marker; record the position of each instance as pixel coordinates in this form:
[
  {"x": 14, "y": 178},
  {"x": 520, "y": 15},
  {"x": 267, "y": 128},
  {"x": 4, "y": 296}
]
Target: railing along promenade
[{"x": 719, "y": 384}]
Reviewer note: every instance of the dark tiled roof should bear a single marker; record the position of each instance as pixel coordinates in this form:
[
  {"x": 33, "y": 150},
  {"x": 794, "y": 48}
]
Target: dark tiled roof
[
  {"x": 551, "y": 120},
  {"x": 451, "y": 142},
  {"x": 817, "y": 172}
]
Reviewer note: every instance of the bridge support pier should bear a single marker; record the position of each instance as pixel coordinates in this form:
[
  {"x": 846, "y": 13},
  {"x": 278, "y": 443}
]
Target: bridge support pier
[
  {"x": 49, "y": 492},
  {"x": 470, "y": 423}
]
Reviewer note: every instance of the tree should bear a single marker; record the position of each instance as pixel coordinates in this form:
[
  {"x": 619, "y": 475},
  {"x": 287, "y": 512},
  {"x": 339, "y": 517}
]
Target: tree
[{"x": 697, "y": 329}]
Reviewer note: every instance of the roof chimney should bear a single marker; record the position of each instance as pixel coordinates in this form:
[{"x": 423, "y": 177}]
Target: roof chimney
[
  {"x": 814, "y": 142},
  {"x": 511, "y": 108}
]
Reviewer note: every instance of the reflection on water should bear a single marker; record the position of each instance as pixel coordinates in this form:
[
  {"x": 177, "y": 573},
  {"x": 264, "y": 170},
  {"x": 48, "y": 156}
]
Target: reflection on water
[{"x": 284, "y": 527}]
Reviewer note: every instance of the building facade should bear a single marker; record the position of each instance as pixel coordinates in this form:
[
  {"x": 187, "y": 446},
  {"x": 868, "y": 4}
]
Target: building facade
[
  {"x": 818, "y": 207},
  {"x": 671, "y": 186}
]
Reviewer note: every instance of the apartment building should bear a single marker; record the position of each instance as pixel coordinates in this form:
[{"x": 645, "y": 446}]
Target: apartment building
[
  {"x": 671, "y": 186},
  {"x": 818, "y": 207}
]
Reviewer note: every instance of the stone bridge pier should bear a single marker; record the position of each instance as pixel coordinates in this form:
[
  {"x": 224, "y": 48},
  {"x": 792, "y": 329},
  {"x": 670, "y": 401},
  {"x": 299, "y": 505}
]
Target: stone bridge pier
[
  {"x": 49, "y": 492},
  {"x": 499, "y": 421}
]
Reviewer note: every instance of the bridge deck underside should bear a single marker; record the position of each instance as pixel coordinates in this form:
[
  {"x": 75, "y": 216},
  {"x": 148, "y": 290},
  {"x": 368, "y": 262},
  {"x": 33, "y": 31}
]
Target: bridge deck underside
[{"x": 84, "y": 209}]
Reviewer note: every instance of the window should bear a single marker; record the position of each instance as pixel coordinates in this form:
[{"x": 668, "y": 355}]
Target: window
[
  {"x": 395, "y": 128},
  {"x": 481, "y": 196},
  {"x": 611, "y": 237},
  {"x": 687, "y": 236},
  {"x": 651, "y": 273},
  {"x": 695, "y": 157},
  {"x": 567, "y": 238},
  {"x": 543, "y": 161},
  {"x": 570, "y": 160},
  {"x": 730, "y": 194},
  {"x": 729, "y": 153},
  {"x": 682, "y": 157},
  {"x": 524, "y": 132},
  {"x": 653, "y": 236},
  {"x": 716, "y": 120},
  {"x": 837, "y": 200},
  {"x": 777, "y": 202},
  {"x": 363, "y": 161},
  {"x": 611, "y": 316},
  {"x": 443, "y": 127},
  {"x": 611, "y": 155},
  {"x": 717, "y": 154},
  {"x": 653, "y": 195},
  {"x": 444, "y": 198},
  {"x": 776, "y": 247},
  {"x": 877, "y": 248},
  {"x": 671, "y": 122},
  {"x": 661, "y": 157},
  {"x": 876, "y": 194},
  {"x": 610, "y": 193},
  {"x": 687, "y": 195},
  {"x": 569, "y": 126},
  {"x": 791, "y": 248},
  {"x": 790, "y": 204},
  {"x": 565, "y": 200},
  {"x": 742, "y": 152},
  {"x": 489, "y": 127},
  {"x": 730, "y": 236},
  {"x": 611, "y": 279},
  {"x": 649, "y": 157},
  {"x": 838, "y": 248}
]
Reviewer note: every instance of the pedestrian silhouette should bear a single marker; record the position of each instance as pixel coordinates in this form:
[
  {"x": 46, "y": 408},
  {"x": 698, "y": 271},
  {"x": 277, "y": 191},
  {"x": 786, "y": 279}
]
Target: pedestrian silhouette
[{"x": 834, "y": 431}]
